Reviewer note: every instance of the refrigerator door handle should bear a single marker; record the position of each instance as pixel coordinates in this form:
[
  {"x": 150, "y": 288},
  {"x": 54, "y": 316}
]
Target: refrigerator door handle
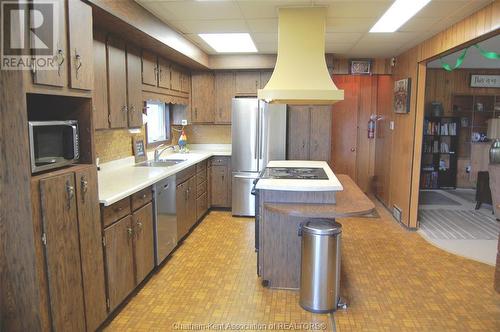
[{"x": 257, "y": 144}]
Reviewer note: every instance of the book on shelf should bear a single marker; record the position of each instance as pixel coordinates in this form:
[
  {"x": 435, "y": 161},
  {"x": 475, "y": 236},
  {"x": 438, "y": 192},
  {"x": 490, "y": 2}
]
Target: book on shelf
[{"x": 429, "y": 180}]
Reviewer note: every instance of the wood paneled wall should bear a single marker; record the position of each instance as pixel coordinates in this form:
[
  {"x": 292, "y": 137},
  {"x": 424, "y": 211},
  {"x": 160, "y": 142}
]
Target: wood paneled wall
[
  {"x": 407, "y": 134},
  {"x": 19, "y": 295}
]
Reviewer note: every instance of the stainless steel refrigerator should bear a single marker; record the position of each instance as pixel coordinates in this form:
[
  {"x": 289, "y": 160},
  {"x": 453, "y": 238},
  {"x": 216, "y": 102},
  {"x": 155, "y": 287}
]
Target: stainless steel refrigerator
[{"x": 258, "y": 136}]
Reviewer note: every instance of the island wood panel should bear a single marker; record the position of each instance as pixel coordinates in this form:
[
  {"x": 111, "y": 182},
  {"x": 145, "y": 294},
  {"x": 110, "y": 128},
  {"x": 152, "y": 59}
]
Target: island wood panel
[
  {"x": 471, "y": 29},
  {"x": 383, "y": 136},
  {"x": 21, "y": 303},
  {"x": 80, "y": 45},
  {"x": 100, "y": 91},
  {"x": 62, "y": 252},
  {"x": 91, "y": 250},
  {"x": 344, "y": 126}
]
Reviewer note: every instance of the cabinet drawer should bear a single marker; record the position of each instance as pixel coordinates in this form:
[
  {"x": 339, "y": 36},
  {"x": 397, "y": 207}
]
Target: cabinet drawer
[
  {"x": 201, "y": 188},
  {"x": 115, "y": 211},
  {"x": 185, "y": 174},
  {"x": 201, "y": 166},
  {"x": 219, "y": 161},
  {"x": 201, "y": 206},
  {"x": 142, "y": 197},
  {"x": 201, "y": 177}
]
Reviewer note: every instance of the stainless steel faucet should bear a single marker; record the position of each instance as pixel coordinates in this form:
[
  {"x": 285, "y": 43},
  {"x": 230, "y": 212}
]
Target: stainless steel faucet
[{"x": 158, "y": 152}]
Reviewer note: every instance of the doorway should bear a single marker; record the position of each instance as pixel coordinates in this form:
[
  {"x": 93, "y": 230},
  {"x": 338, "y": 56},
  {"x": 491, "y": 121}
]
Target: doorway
[{"x": 457, "y": 203}]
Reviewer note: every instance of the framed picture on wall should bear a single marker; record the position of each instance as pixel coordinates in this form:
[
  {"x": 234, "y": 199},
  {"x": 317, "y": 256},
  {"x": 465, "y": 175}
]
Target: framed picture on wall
[
  {"x": 402, "y": 90},
  {"x": 360, "y": 66}
]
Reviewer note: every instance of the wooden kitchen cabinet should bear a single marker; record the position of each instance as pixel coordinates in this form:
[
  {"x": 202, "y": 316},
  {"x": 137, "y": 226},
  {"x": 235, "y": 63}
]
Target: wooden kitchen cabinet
[
  {"x": 142, "y": 222},
  {"x": 185, "y": 82},
  {"x": 309, "y": 132},
  {"x": 202, "y": 97},
  {"x": 176, "y": 76},
  {"x": 225, "y": 90},
  {"x": 220, "y": 182},
  {"x": 117, "y": 77},
  {"x": 181, "y": 203},
  {"x": 92, "y": 260},
  {"x": 163, "y": 73},
  {"x": 62, "y": 253},
  {"x": 100, "y": 91},
  {"x": 247, "y": 82},
  {"x": 191, "y": 202},
  {"x": 119, "y": 260},
  {"x": 149, "y": 68},
  {"x": 69, "y": 253},
  {"x": 265, "y": 76},
  {"x": 134, "y": 87},
  {"x": 80, "y": 45}
]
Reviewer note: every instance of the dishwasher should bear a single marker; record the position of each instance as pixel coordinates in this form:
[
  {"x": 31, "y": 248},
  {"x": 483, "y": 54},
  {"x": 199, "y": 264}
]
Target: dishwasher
[{"x": 165, "y": 218}]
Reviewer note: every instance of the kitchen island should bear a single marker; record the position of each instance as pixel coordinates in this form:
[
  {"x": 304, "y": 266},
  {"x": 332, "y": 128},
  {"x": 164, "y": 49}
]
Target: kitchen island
[{"x": 285, "y": 203}]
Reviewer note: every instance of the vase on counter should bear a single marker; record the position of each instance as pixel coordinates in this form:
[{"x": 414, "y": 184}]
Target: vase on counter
[
  {"x": 495, "y": 152},
  {"x": 182, "y": 142}
]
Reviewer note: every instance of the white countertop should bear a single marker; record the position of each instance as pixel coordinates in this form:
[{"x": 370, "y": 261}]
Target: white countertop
[
  {"x": 120, "y": 178},
  {"x": 332, "y": 184}
]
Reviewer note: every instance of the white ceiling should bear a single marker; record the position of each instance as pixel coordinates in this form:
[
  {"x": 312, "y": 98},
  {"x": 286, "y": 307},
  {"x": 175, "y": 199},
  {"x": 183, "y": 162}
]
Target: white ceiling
[
  {"x": 473, "y": 59},
  {"x": 347, "y": 26}
]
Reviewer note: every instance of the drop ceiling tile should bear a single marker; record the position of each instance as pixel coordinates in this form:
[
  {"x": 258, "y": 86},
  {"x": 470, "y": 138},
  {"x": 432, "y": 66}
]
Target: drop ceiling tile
[
  {"x": 338, "y": 48},
  {"x": 416, "y": 24},
  {"x": 394, "y": 38},
  {"x": 196, "y": 10},
  {"x": 342, "y": 37},
  {"x": 210, "y": 26},
  {"x": 440, "y": 8},
  {"x": 267, "y": 48},
  {"x": 265, "y": 37},
  {"x": 263, "y": 25},
  {"x": 339, "y": 24},
  {"x": 353, "y": 9},
  {"x": 267, "y": 9}
]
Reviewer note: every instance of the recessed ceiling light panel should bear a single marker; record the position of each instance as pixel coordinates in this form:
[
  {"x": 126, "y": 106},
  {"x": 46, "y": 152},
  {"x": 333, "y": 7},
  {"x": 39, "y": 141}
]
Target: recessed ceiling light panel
[
  {"x": 397, "y": 15},
  {"x": 229, "y": 42}
]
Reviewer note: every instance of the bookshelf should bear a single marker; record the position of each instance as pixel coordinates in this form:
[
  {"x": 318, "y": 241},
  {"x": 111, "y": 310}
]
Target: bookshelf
[{"x": 439, "y": 152}]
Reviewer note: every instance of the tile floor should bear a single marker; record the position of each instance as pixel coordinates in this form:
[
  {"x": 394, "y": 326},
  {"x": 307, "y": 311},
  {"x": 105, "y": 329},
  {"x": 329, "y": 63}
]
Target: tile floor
[{"x": 392, "y": 279}]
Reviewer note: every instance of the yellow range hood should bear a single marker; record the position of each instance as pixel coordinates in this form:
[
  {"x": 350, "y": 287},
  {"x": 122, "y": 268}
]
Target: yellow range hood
[{"x": 300, "y": 76}]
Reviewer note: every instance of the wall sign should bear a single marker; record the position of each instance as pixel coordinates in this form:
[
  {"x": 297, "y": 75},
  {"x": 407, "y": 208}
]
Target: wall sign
[
  {"x": 402, "y": 90},
  {"x": 360, "y": 67},
  {"x": 484, "y": 81}
]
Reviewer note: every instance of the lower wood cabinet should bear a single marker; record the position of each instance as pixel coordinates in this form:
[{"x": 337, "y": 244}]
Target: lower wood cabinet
[
  {"x": 186, "y": 206},
  {"x": 220, "y": 179},
  {"x": 69, "y": 255},
  {"x": 129, "y": 246}
]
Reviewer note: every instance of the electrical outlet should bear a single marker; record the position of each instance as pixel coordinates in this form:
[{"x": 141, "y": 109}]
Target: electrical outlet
[{"x": 184, "y": 122}]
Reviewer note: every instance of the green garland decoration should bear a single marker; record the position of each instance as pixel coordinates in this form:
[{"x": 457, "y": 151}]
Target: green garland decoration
[{"x": 460, "y": 59}]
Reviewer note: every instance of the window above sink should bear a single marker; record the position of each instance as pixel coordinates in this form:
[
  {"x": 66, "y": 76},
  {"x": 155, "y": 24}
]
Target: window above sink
[{"x": 158, "y": 124}]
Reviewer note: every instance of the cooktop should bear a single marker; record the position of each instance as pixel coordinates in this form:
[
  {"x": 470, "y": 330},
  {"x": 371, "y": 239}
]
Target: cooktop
[{"x": 304, "y": 173}]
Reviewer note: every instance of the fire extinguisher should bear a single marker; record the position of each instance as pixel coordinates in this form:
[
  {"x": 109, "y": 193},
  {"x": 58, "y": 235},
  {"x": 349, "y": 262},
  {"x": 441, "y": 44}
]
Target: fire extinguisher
[{"x": 371, "y": 126}]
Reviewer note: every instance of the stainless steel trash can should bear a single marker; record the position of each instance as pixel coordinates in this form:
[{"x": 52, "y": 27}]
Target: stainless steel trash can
[{"x": 320, "y": 265}]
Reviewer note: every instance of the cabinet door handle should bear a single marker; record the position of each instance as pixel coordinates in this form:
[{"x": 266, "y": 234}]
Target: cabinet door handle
[
  {"x": 130, "y": 232},
  {"x": 78, "y": 63},
  {"x": 132, "y": 109},
  {"x": 353, "y": 149},
  {"x": 85, "y": 186},
  {"x": 60, "y": 60},
  {"x": 139, "y": 225},
  {"x": 144, "y": 196},
  {"x": 70, "y": 191},
  {"x": 124, "y": 108}
]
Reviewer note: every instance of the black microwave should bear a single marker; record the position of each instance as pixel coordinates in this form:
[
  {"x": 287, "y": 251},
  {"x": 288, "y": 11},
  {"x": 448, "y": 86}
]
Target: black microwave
[{"x": 53, "y": 144}]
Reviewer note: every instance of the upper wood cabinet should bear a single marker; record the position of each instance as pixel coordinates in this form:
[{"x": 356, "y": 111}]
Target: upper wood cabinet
[
  {"x": 149, "y": 68},
  {"x": 202, "y": 97},
  {"x": 163, "y": 73},
  {"x": 176, "y": 77},
  {"x": 265, "y": 76},
  {"x": 185, "y": 82},
  {"x": 134, "y": 87},
  {"x": 58, "y": 76},
  {"x": 80, "y": 45},
  {"x": 247, "y": 82},
  {"x": 117, "y": 76},
  {"x": 225, "y": 90},
  {"x": 100, "y": 91}
]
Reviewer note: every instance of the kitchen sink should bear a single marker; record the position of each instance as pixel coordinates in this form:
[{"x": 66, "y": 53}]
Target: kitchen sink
[{"x": 160, "y": 163}]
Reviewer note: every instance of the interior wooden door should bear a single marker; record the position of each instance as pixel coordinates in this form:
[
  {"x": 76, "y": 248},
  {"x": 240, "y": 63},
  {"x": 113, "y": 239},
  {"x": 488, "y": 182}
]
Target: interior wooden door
[
  {"x": 298, "y": 132},
  {"x": 91, "y": 250},
  {"x": 117, "y": 76},
  {"x": 100, "y": 91},
  {"x": 80, "y": 45},
  {"x": 119, "y": 260},
  {"x": 142, "y": 220},
  {"x": 224, "y": 93},
  {"x": 134, "y": 87},
  {"x": 383, "y": 136},
  {"x": 58, "y": 76},
  {"x": 345, "y": 126},
  {"x": 320, "y": 133},
  {"x": 62, "y": 252}
]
